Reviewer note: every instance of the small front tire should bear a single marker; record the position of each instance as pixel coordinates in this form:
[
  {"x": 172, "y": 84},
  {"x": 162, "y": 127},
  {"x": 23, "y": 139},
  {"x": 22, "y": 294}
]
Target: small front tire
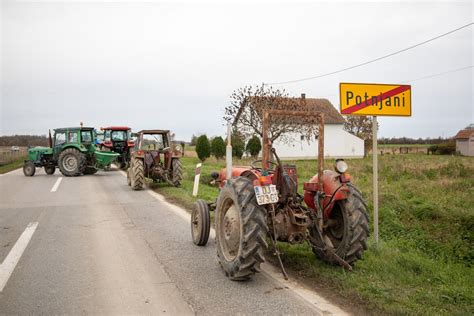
[
  {"x": 200, "y": 223},
  {"x": 49, "y": 170},
  {"x": 29, "y": 169}
]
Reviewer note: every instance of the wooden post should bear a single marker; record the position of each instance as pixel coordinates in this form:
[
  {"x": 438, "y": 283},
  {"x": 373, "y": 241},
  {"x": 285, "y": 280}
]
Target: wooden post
[{"x": 375, "y": 180}]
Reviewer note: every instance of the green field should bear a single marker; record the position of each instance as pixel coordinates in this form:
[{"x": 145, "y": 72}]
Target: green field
[
  {"x": 424, "y": 262},
  {"x": 12, "y": 165}
]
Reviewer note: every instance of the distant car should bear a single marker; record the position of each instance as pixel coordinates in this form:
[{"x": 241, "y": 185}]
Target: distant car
[{"x": 15, "y": 148}]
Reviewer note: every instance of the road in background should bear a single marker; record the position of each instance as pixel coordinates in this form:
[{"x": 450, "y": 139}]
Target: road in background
[{"x": 102, "y": 248}]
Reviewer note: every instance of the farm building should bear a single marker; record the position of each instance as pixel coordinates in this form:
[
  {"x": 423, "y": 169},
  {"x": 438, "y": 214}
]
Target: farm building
[
  {"x": 465, "y": 141},
  {"x": 337, "y": 141}
]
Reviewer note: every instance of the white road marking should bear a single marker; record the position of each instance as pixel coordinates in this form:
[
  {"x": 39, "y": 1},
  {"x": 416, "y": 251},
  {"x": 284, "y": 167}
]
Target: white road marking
[
  {"x": 322, "y": 305},
  {"x": 10, "y": 262},
  {"x": 56, "y": 184}
]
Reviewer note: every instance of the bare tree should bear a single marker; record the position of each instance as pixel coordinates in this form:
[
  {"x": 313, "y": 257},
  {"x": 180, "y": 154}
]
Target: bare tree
[
  {"x": 360, "y": 126},
  {"x": 246, "y": 112}
]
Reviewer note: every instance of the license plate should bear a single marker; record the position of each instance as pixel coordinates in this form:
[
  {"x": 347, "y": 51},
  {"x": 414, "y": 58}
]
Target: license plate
[{"x": 266, "y": 194}]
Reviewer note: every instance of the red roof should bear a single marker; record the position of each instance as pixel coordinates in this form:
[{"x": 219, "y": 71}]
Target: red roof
[
  {"x": 116, "y": 128},
  {"x": 465, "y": 134}
]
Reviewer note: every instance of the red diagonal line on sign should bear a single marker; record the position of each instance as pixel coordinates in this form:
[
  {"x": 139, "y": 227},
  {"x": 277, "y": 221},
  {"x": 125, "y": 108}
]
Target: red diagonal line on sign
[{"x": 385, "y": 95}]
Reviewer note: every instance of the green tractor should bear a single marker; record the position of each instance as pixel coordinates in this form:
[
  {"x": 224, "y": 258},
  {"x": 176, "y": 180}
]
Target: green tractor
[{"x": 72, "y": 150}]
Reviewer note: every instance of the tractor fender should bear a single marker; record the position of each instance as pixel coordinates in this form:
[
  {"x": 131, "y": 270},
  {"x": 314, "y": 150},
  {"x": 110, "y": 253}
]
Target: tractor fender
[
  {"x": 238, "y": 171},
  {"x": 334, "y": 190}
]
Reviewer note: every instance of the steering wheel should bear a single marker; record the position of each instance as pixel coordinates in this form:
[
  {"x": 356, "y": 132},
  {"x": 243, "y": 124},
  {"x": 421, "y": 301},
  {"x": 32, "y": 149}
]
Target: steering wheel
[{"x": 253, "y": 164}]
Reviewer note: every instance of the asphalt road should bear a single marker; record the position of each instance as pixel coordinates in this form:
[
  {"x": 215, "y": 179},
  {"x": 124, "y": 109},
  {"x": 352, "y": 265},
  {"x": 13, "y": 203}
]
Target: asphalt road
[{"x": 101, "y": 248}]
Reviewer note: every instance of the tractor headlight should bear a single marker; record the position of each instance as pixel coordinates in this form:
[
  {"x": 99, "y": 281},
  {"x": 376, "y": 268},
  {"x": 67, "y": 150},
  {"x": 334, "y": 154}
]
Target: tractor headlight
[{"x": 341, "y": 166}]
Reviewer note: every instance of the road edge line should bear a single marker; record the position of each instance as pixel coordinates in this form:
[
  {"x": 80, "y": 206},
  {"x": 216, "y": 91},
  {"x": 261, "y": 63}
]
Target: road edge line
[{"x": 10, "y": 262}]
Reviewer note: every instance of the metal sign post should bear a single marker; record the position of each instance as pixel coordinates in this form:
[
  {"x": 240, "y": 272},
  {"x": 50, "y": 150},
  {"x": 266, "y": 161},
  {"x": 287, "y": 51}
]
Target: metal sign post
[{"x": 375, "y": 180}]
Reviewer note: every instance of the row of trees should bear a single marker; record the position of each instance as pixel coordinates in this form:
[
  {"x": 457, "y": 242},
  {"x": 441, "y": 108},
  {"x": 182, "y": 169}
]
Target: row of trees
[
  {"x": 23, "y": 140},
  {"x": 217, "y": 147}
]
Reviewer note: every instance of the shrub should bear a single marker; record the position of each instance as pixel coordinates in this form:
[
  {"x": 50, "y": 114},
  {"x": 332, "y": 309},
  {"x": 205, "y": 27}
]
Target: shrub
[
  {"x": 218, "y": 147},
  {"x": 203, "y": 148},
  {"x": 448, "y": 148},
  {"x": 254, "y": 146},
  {"x": 238, "y": 146}
]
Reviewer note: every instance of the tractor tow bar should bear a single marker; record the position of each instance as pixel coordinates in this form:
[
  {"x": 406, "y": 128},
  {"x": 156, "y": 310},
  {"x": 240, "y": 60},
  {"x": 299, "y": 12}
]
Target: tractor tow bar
[{"x": 275, "y": 247}]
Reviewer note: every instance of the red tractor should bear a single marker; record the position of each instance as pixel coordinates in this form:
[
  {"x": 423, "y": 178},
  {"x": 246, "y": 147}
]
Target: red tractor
[
  {"x": 156, "y": 157},
  {"x": 118, "y": 139},
  {"x": 262, "y": 200}
]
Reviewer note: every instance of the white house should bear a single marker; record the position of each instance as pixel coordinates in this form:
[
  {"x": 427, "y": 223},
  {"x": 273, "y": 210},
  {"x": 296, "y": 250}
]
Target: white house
[
  {"x": 337, "y": 142},
  {"x": 465, "y": 141}
]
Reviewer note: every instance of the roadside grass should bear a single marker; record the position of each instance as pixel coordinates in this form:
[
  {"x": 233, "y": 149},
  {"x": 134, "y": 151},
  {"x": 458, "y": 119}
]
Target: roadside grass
[
  {"x": 424, "y": 261},
  {"x": 12, "y": 165}
]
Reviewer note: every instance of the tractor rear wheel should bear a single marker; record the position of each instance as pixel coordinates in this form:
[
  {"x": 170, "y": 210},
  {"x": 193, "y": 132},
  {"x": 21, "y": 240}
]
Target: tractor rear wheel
[
  {"x": 71, "y": 162},
  {"x": 49, "y": 170},
  {"x": 129, "y": 180},
  {"x": 137, "y": 174},
  {"x": 177, "y": 172},
  {"x": 200, "y": 223},
  {"x": 240, "y": 229},
  {"x": 348, "y": 228},
  {"x": 29, "y": 169}
]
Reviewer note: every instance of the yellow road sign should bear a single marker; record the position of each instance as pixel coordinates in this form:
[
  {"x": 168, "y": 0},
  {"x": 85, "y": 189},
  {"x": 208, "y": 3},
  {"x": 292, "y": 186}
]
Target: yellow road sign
[{"x": 375, "y": 99}]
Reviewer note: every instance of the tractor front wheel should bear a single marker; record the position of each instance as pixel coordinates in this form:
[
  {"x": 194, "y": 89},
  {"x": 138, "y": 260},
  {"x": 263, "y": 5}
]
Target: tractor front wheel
[
  {"x": 71, "y": 162},
  {"x": 240, "y": 229},
  {"x": 137, "y": 174},
  {"x": 177, "y": 172},
  {"x": 200, "y": 223},
  {"x": 49, "y": 169},
  {"x": 29, "y": 169},
  {"x": 348, "y": 228}
]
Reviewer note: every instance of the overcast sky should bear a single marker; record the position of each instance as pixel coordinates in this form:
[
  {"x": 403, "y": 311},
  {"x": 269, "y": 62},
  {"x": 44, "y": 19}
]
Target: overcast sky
[{"x": 174, "y": 65}]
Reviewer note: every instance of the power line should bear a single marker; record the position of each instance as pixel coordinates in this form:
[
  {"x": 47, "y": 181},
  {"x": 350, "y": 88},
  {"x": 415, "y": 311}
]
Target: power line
[
  {"x": 373, "y": 60},
  {"x": 438, "y": 74}
]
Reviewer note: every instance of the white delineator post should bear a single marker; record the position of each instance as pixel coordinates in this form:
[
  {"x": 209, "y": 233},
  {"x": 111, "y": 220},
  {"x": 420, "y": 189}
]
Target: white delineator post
[
  {"x": 197, "y": 176},
  {"x": 228, "y": 152},
  {"x": 375, "y": 180}
]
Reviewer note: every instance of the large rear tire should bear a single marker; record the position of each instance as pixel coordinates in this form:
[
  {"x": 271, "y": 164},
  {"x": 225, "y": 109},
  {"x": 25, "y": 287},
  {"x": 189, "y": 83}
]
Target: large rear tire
[
  {"x": 71, "y": 162},
  {"x": 240, "y": 229},
  {"x": 29, "y": 169},
  {"x": 49, "y": 170},
  {"x": 138, "y": 176},
  {"x": 177, "y": 172},
  {"x": 200, "y": 223},
  {"x": 349, "y": 228},
  {"x": 129, "y": 180}
]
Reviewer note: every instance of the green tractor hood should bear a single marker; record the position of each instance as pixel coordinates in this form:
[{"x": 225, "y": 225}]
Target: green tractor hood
[{"x": 35, "y": 152}]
